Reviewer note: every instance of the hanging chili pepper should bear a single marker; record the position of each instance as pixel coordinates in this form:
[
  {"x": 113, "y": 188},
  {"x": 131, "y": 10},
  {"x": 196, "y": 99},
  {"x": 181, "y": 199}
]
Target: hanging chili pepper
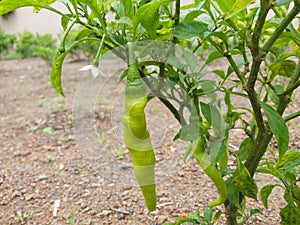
[
  {"x": 198, "y": 146},
  {"x": 136, "y": 135},
  {"x": 212, "y": 172}
]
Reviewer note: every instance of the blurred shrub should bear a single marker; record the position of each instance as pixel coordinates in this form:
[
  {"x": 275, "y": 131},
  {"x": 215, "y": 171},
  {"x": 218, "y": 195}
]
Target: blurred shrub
[
  {"x": 25, "y": 44},
  {"x": 6, "y": 42},
  {"x": 28, "y": 44},
  {"x": 35, "y": 45},
  {"x": 45, "y": 47}
]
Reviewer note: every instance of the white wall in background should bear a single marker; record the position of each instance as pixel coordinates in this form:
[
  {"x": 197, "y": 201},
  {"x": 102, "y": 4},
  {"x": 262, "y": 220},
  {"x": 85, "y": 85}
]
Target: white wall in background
[{"x": 25, "y": 19}]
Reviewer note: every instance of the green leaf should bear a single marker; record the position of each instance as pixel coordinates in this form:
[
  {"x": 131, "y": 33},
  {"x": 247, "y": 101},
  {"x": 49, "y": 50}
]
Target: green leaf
[
  {"x": 274, "y": 92},
  {"x": 282, "y": 2},
  {"x": 187, "y": 151},
  {"x": 189, "y": 6},
  {"x": 148, "y": 16},
  {"x": 183, "y": 221},
  {"x": 255, "y": 212},
  {"x": 265, "y": 192},
  {"x": 238, "y": 6},
  {"x": 83, "y": 33},
  {"x": 125, "y": 20},
  {"x": 219, "y": 35},
  {"x": 217, "y": 150},
  {"x": 55, "y": 75},
  {"x": 123, "y": 75},
  {"x": 233, "y": 194},
  {"x": 206, "y": 111},
  {"x": 291, "y": 165},
  {"x": 285, "y": 40},
  {"x": 173, "y": 60},
  {"x": 277, "y": 127},
  {"x": 220, "y": 73},
  {"x": 190, "y": 59},
  {"x": 225, "y": 5},
  {"x": 64, "y": 21},
  {"x": 243, "y": 180},
  {"x": 226, "y": 171},
  {"x": 187, "y": 30},
  {"x": 195, "y": 215},
  {"x": 213, "y": 116},
  {"x": 296, "y": 195},
  {"x": 192, "y": 15},
  {"x": 10, "y": 5},
  {"x": 126, "y": 9},
  {"x": 213, "y": 55},
  {"x": 245, "y": 148},
  {"x": 290, "y": 214},
  {"x": 207, "y": 215},
  {"x": 217, "y": 216},
  {"x": 189, "y": 132},
  {"x": 177, "y": 136},
  {"x": 283, "y": 68},
  {"x": 289, "y": 157},
  {"x": 272, "y": 171}
]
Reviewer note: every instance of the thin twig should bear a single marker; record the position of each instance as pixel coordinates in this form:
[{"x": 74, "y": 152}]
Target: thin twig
[
  {"x": 235, "y": 68},
  {"x": 119, "y": 211},
  {"x": 165, "y": 204}
]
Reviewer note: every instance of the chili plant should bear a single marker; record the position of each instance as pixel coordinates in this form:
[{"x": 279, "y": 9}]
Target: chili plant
[{"x": 259, "y": 46}]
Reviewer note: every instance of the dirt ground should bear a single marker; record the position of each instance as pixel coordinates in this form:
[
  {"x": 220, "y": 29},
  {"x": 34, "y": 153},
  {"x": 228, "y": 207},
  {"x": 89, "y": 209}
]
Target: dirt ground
[{"x": 44, "y": 159}]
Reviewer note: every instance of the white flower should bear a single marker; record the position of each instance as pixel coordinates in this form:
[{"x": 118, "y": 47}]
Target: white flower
[{"x": 94, "y": 70}]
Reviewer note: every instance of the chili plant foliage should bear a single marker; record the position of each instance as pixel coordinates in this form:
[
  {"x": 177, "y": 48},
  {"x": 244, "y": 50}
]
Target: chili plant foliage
[{"x": 258, "y": 42}]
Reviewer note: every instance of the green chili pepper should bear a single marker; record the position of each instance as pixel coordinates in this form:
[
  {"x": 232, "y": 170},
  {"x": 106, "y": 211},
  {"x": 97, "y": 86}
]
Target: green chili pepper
[
  {"x": 214, "y": 174},
  {"x": 136, "y": 136}
]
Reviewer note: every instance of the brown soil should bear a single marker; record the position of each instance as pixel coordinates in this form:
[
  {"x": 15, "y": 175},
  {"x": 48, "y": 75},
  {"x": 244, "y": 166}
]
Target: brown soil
[{"x": 42, "y": 161}]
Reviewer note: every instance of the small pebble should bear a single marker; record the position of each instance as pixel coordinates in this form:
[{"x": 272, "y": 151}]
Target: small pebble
[
  {"x": 131, "y": 211},
  {"x": 106, "y": 212},
  {"x": 42, "y": 177},
  {"x": 121, "y": 216}
]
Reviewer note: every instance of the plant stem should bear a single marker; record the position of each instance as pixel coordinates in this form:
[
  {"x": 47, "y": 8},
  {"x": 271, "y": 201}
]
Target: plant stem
[
  {"x": 95, "y": 62},
  {"x": 235, "y": 68},
  {"x": 65, "y": 34},
  {"x": 291, "y": 116},
  {"x": 286, "y": 21},
  {"x": 265, "y": 7},
  {"x": 264, "y": 135},
  {"x": 48, "y": 7},
  {"x": 257, "y": 59},
  {"x": 176, "y": 19},
  {"x": 259, "y": 53},
  {"x": 230, "y": 211},
  {"x": 165, "y": 101},
  {"x": 173, "y": 110},
  {"x": 260, "y": 145}
]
